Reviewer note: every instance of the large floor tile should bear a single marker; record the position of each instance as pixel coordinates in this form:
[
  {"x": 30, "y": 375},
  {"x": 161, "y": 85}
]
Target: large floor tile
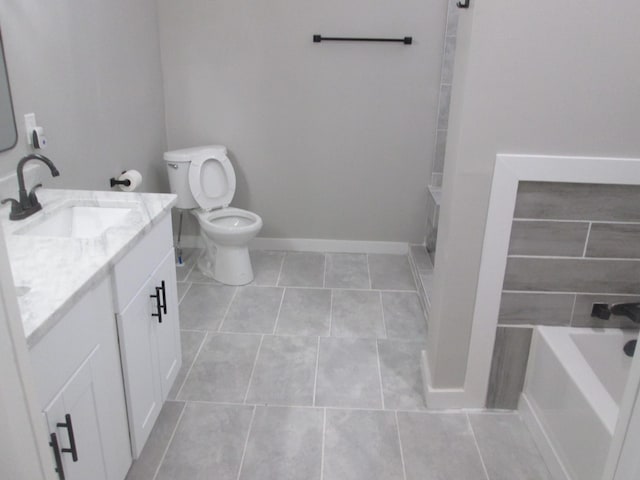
[
  {"x": 208, "y": 443},
  {"x": 145, "y": 467},
  {"x": 222, "y": 370},
  {"x": 302, "y": 270},
  {"x": 284, "y": 444},
  {"x": 266, "y": 266},
  {"x": 401, "y": 375},
  {"x": 507, "y": 448},
  {"x": 285, "y": 371},
  {"x": 203, "y": 306},
  {"x": 357, "y": 313},
  {"x": 191, "y": 342},
  {"x": 439, "y": 447},
  {"x": 347, "y": 270},
  {"x": 348, "y": 374},
  {"x": 361, "y": 445},
  {"x": 403, "y": 316},
  {"x": 390, "y": 272},
  {"x": 305, "y": 311},
  {"x": 253, "y": 310}
]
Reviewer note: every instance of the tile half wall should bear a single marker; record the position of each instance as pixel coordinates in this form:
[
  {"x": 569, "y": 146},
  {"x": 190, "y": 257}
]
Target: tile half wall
[{"x": 571, "y": 245}]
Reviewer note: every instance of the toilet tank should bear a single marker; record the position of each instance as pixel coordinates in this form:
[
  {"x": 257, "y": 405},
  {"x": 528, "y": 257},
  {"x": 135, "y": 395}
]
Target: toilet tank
[{"x": 178, "y": 163}]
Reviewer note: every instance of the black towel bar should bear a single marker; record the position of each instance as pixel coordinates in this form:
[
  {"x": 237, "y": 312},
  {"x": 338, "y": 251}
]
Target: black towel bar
[{"x": 320, "y": 38}]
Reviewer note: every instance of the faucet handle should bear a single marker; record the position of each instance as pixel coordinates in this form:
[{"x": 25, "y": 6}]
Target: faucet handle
[
  {"x": 32, "y": 192},
  {"x": 15, "y": 205}
]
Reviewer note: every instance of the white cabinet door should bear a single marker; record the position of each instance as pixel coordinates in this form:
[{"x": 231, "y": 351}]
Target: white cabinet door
[
  {"x": 139, "y": 363},
  {"x": 168, "y": 331},
  {"x": 150, "y": 349},
  {"x": 73, "y": 421}
]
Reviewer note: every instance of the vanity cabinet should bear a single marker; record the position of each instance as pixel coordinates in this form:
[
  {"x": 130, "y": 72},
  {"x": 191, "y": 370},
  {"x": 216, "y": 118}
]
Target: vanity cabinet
[
  {"x": 147, "y": 318},
  {"x": 80, "y": 390}
]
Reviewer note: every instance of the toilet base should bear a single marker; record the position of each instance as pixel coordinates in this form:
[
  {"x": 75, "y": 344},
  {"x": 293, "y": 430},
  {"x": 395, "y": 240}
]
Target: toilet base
[{"x": 232, "y": 265}]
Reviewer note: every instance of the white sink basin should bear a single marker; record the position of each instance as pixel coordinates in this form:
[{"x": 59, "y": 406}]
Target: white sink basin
[{"x": 76, "y": 221}]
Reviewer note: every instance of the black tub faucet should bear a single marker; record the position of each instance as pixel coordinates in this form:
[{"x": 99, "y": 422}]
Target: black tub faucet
[
  {"x": 28, "y": 204},
  {"x": 629, "y": 310}
]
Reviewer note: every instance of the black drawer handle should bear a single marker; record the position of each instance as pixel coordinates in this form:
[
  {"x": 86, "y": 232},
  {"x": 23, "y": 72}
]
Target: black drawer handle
[
  {"x": 158, "y": 305},
  {"x": 164, "y": 298},
  {"x": 72, "y": 439},
  {"x": 56, "y": 454}
]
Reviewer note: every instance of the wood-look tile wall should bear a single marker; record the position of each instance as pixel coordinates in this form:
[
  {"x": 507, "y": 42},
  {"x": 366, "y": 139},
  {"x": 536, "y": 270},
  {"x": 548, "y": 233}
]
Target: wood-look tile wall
[{"x": 571, "y": 245}]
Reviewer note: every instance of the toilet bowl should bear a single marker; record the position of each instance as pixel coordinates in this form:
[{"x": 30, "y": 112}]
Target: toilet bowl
[{"x": 205, "y": 182}]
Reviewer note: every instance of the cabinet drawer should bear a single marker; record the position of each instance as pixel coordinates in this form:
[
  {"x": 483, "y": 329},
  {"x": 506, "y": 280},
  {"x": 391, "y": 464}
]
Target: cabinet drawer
[{"x": 131, "y": 272}]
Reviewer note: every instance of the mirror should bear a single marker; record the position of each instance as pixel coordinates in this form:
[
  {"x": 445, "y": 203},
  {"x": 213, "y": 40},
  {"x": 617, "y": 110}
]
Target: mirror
[{"x": 8, "y": 132}]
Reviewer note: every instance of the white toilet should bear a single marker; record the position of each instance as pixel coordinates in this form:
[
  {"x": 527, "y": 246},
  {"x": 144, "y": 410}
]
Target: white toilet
[{"x": 204, "y": 180}]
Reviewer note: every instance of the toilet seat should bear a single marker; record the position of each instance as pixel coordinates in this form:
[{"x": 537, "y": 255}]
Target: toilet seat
[{"x": 212, "y": 181}]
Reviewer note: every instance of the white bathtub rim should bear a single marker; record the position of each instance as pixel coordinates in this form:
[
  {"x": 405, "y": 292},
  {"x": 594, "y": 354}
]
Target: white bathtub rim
[
  {"x": 549, "y": 454},
  {"x": 573, "y": 362}
]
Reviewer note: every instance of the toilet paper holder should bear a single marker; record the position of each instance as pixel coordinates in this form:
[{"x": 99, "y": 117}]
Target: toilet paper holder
[{"x": 114, "y": 181}]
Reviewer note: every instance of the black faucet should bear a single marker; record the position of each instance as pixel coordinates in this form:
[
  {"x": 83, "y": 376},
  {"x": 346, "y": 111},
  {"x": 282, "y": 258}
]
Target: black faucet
[
  {"x": 28, "y": 203},
  {"x": 629, "y": 310}
]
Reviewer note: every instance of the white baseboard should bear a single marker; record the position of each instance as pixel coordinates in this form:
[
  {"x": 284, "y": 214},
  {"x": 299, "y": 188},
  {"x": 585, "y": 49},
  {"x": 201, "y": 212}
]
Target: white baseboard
[
  {"x": 440, "y": 398},
  {"x": 312, "y": 245},
  {"x": 549, "y": 455}
]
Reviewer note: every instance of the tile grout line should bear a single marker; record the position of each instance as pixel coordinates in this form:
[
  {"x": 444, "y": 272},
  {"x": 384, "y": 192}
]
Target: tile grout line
[
  {"x": 324, "y": 272},
  {"x": 324, "y": 434},
  {"x": 380, "y": 374},
  {"x": 280, "y": 271},
  {"x": 185, "y": 292},
  {"x": 404, "y": 469},
  {"x": 246, "y": 442},
  {"x": 255, "y": 362},
  {"x": 396, "y": 290},
  {"x": 195, "y": 357},
  {"x": 330, "y": 312},
  {"x": 173, "y": 434},
  {"x": 454, "y": 411},
  {"x": 573, "y": 309},
  {"x": 226, "y": 312},
  {"x": 315, "y": 378},
  {"x": 586, "y": 241},
  {"x": 384, "y": 324},
  {"x": 275, "y": 325},
  {"x": 475, "y": 441}
]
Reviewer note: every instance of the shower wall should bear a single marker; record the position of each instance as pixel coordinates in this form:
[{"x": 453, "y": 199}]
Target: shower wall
[{"x": 442, "y": 125}]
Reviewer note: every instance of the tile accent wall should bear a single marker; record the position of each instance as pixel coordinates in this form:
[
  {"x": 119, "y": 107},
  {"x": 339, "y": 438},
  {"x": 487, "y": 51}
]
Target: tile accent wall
[
  {"x": 444, "y": 100},
  {"x": 571, "y": 245},
  {"x": 446, "y": 79}
]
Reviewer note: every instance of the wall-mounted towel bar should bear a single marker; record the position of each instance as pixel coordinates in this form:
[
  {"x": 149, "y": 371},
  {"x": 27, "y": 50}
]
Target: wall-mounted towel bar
[{"x": 320, "y": 38}]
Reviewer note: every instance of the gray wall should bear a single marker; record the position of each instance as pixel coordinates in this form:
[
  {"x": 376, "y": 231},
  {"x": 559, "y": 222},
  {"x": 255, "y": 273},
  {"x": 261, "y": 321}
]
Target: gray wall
[
  {"x": 572, "y": 245},
  {"x": 540, "y": 77},
  {"x": 330, "y": 140},
  {"x": 90, "y": 70}
]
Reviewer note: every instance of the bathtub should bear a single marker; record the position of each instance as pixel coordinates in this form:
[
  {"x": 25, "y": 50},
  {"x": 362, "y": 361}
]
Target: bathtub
[{"x": 574, "y": 385}]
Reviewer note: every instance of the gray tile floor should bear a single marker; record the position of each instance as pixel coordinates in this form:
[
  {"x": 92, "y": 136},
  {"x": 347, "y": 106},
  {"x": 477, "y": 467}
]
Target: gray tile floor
[{"x": 312, "y": 372}]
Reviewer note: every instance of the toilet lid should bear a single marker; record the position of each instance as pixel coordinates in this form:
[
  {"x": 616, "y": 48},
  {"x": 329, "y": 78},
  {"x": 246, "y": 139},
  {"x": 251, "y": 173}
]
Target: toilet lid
[{"x": 212, "y": 181}]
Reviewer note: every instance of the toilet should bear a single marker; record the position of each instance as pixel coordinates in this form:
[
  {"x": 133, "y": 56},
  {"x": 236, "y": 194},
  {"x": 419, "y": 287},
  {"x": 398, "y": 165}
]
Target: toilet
[{"x": 205, "y": 182}]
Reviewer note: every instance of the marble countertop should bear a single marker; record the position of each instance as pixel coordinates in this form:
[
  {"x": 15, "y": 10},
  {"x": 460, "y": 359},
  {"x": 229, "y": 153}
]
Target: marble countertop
[{"x": 52, "y": 273}]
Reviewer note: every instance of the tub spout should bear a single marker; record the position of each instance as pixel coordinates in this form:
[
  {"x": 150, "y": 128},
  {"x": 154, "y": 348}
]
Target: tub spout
[{"x": 629, "y": 310}]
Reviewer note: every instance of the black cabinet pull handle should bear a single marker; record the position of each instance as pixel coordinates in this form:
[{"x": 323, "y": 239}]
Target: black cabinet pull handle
[
  {"x": 158, "y": 305},
  {"x": 164, "y": 298},
  {"x": 56, "y": 454},
  {"x": 72, "y": 439}
]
